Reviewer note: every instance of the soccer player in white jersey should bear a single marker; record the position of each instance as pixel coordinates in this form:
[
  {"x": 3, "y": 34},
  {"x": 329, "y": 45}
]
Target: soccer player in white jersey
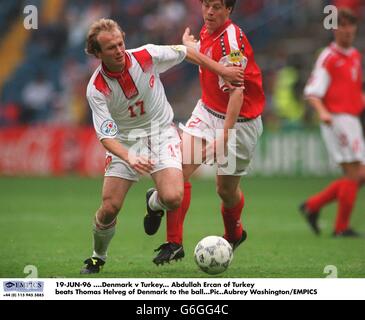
[
  {"x": 133, "y": 120},
  {"x": 335, "y": 92}
]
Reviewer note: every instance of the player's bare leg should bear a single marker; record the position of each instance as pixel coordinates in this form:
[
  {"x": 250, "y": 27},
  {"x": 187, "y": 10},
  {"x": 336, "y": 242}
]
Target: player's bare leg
[
  {"x": 113, "y": 195},
  {"x": 192, "y": 150},
  {"x": 228, "y": 189},
  {"x": 169, "y": 185},
  {"x": 167, "y": 196}
]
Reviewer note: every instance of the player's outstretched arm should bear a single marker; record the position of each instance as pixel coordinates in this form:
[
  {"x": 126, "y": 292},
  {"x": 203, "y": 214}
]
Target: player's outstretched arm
[
  {"x": 140, "y": 164},
  {"x": 230, "y": 74}
]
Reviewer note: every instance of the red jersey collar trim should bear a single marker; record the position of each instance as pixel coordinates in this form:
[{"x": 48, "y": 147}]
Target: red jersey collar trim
[
  {"x": 337, "y": 48},
  {"x": 117, "y": 75},
  {"x": 216, "y": 34}
]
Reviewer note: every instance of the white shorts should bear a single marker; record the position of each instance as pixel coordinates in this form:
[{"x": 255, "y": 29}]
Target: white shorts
[
  {"x": 164, "y": 149},
  {"x": 241, "y": 145},
  {"x": 344, "y": 139}
]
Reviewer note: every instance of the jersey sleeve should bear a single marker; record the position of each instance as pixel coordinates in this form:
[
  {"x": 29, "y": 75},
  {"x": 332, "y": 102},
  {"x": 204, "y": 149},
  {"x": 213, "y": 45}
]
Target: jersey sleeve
[
  {"x": 235, "y": 56},
  {"x": 318, "y": 83},
  {"x": 165, "y": 57},
  {"x": 320, "y": 78},
  {"x": 104, "y": 125}
]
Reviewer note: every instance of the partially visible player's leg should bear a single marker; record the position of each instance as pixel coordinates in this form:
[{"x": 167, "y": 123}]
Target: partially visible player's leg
[
  {"x": 347, "y": 195},
  {"x": 192, "y": 153},
  {"x": 233, "y": 201},
  {"x": 113, "y": 194},
  {"x": 344, "y": 142},
  {"x": 195, "y": 134},
  {"x": 241, "y": 148},
  {"x": 168, "y": 180},
  {"x": 169, "y": 189},
  {"x": 169, "y": 185}
]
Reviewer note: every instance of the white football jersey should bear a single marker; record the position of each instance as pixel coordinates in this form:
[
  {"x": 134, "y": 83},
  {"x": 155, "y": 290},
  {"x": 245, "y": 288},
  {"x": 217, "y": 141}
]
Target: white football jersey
[{"x": 133, "y": 103}]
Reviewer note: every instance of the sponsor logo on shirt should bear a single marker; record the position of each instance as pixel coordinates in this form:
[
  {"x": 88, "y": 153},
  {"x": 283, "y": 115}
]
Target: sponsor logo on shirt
[
  {"x": 235, "y": 56},
  {"x": 109, "y": 128}
]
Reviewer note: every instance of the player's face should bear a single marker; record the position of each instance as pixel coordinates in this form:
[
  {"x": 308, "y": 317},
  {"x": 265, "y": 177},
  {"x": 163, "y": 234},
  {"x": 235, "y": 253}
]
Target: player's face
[
  {"x": 215, "y": 14},
  {"x": 112, "y": 49},
  {"x": 345, "y": 34}
]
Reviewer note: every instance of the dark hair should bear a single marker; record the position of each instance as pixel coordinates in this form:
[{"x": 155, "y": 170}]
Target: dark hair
[
  {"x": 227, "y": 3},
  {"x": 230, "y": 3},
  {"x": 347, "y": 15}
]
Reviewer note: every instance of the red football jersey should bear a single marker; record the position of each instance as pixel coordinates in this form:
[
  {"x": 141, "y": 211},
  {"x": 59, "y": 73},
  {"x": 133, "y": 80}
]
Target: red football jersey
[
  {"x": 337, "y": 79},
  {"x": 222, "y": 46}
]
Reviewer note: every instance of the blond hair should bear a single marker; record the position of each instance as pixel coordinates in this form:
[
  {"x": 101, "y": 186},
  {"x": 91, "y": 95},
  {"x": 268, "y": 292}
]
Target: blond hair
[{"x": 92, "y": 44}]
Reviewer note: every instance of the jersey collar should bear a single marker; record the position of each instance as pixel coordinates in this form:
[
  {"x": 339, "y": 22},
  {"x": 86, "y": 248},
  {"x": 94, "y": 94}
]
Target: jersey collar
[
  {"x": 117, "y": 75},
  {"x": 216, "y": 34},
  {"x": 345, "y": 52}
]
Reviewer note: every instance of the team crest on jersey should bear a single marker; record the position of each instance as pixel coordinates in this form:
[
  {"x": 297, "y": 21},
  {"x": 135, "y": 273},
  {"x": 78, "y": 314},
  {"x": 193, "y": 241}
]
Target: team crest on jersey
[
  {"x": 152, "y": 81},
  {"x": 109, "y": 128}
]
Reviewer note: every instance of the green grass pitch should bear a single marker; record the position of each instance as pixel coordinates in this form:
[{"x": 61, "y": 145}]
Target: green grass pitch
[{"x": 46, "y": 222}]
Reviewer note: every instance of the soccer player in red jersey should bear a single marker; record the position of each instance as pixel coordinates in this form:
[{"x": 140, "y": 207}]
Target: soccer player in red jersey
[
  {"x": 227, "y": 118},
  {"x": 335, "y": 92}
]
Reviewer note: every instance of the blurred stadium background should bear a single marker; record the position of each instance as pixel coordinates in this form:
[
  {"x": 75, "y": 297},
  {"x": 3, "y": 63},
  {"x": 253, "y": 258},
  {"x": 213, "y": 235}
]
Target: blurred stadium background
[
  {"x": 44, "y": 74},
  {"x": 46, "y": 131}
]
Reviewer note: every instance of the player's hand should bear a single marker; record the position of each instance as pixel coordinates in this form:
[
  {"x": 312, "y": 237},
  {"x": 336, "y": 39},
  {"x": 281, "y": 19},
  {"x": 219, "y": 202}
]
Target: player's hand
[
  {"x": 188, "y": 39},
  {"x": 234, "y": 75},
  {"x": 140, "y": 164},
  {"x": 326, "y": 117}
]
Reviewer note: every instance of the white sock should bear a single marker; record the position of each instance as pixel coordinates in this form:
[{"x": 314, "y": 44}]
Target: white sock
[
  {"x": 102, "y": 239},
  {"x": 155, "y": 203}
]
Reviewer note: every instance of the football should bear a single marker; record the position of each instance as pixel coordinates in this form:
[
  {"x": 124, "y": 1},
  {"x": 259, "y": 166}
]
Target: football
[{"x": 213, "y": 254}]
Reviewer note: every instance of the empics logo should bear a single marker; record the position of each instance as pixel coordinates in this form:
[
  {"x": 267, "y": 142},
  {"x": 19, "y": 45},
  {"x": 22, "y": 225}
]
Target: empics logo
[{"x": 23, "y": 286}]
